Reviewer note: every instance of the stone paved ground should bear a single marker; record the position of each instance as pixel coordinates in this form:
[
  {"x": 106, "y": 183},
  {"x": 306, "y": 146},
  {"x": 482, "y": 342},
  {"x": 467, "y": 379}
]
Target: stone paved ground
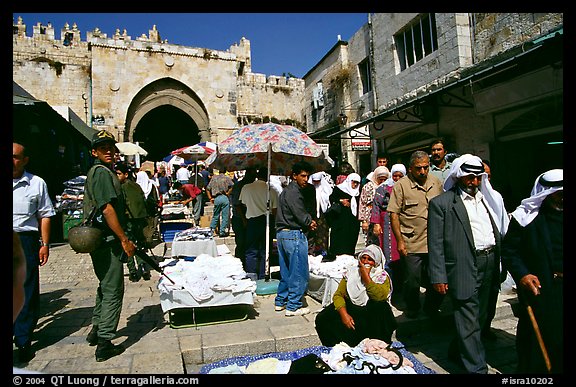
[{"x": 68, "y": 286}]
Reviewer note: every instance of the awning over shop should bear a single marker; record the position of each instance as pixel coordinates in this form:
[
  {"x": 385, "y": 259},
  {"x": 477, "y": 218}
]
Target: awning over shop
[
  {"x": 75, "y": 121},
  {"x": 552, "y": 41},
  {"x": 58, "y": 150}
]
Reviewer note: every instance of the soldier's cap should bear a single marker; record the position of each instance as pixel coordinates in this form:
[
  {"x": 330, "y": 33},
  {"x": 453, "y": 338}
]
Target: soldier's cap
[{"x": 101, "y": 137}]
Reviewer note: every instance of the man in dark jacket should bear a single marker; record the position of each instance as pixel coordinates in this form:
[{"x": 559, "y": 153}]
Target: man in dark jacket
[
  {"x": 533, "y": 253},
  {"x": 292, "y": 223},
  {"x": 136, "y": 213}
]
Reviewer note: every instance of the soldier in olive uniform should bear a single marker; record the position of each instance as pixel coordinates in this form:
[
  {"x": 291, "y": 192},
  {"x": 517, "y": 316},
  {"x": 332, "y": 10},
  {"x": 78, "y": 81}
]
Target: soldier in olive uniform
[
  {"x": 137, "y": 214},
  {"x": 102, "y": 191}
]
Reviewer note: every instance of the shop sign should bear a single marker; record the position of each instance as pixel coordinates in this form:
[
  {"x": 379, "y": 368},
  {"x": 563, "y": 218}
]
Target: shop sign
[{"x": 361, "y": 139}]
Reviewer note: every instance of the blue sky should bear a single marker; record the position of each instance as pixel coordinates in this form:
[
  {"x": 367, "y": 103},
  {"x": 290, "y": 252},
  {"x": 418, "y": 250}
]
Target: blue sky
[{"x": 281, "y": 42}]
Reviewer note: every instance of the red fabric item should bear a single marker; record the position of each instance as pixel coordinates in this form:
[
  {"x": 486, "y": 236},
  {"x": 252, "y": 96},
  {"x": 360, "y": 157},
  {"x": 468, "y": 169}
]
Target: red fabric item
[{"x": 190, "y": 191}]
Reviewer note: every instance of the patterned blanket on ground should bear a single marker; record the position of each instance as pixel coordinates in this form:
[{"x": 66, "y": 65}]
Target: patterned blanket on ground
[{"x": 351, "y": 361}]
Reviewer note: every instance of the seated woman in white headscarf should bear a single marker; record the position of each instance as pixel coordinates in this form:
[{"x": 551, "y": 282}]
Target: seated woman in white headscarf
[
  {"x": 342, "y": 217},
  {"x": 361, "y": 304}
]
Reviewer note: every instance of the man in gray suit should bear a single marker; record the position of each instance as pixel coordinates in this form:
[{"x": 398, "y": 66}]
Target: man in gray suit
[{"x": 465, "y": 227}]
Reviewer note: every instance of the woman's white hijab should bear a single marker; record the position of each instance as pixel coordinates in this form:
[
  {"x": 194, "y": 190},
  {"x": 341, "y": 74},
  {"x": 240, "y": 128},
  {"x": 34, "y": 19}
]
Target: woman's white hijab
[
  {"x": 395, "y": 168},
  {"x": 323, "y": 191},
  {"x": 144, "y": 182},
  {"x": 354, "y": 286},
  {"x": 380, "y": 171},
  {"x": 346, "y": 186},
  {"x": 493, "y": 199},
  {"x": 546, "y": 183}
]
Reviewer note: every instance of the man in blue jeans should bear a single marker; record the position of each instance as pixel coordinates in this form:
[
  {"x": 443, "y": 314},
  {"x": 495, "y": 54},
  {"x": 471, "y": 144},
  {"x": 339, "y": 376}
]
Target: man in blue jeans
[
  {"x": 292, "y": 223},
  {"x": 218, "y": 191}
]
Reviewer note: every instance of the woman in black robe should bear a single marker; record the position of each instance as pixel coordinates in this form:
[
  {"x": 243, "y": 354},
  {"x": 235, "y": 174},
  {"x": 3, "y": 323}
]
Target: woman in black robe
[{"x": 342, "y": 217}]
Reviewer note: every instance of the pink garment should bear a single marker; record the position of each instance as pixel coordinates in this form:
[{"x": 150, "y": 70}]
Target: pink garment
[
  {"x": 340, "y": 179},
  {"x": 382, "y": 217}
]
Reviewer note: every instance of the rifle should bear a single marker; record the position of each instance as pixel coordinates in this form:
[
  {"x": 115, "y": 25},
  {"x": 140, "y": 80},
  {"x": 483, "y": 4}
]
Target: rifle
[{"x": 141, "y": 253}]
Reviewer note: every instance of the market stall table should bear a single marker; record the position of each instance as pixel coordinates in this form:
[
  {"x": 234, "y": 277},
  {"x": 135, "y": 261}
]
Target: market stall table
[
  {"x": 207, "y": 290},
  {"x": 194, "y": 241},
  {"x": 324, "y": 277}
]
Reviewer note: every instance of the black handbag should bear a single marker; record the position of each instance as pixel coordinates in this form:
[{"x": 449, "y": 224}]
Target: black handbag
[{"x": 309, "y": 364}]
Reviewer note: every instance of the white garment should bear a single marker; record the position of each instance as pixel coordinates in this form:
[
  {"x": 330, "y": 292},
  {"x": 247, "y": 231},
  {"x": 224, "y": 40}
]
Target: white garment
[
  {"x": 528, "y": 209},
  {"x": 182, "y": 174},
  {"x": 354, "y": 286},
  {"x": 30, "y": 202},
  {"x": 346, "y": 186},
  {"x": 480, "y": 224},
  {"x": 395, "y": 168},
  {"x": 324, "y": 188},
  {"x": 254, "y": 196},
  {"x": 144, "y": 182}
]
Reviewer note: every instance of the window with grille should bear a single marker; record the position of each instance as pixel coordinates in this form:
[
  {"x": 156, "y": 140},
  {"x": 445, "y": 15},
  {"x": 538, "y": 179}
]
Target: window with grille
[
  {"x": 416, "y": 41},
  {"x": 364, "y": 69}
]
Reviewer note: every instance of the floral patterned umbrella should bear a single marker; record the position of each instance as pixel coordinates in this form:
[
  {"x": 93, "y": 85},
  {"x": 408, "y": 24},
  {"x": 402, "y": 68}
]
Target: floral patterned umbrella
[{"x": 273, "y": 146}]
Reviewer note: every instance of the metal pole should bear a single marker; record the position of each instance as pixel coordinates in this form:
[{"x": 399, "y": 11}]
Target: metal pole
[
  {"x": 137, "y": 157},
  {"x": 267, "y": 267}
]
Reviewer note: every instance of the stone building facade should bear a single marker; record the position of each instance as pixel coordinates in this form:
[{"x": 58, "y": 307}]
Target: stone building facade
[
  {"x": 118, "y": 83},
  {"x": 488, "y": 82}
]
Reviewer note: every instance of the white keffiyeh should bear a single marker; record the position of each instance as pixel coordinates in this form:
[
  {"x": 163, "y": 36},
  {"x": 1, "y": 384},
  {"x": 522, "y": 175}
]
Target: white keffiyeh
[
  {"x": 144, "y": 181},
  {"x": 547, "y": 183},
  {"x": 493, "y": 199}
]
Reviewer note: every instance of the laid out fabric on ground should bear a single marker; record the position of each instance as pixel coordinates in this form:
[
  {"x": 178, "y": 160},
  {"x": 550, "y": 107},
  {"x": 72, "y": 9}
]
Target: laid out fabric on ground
[{"x": 371, "y": 356}]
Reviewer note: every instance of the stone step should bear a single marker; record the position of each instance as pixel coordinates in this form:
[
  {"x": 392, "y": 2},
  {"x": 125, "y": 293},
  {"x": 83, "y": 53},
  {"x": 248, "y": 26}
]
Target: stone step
[{"x": 267, "y": 331}]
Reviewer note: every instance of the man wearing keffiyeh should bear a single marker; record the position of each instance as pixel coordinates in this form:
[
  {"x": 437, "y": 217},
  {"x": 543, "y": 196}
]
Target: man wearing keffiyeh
[
  {"x": 465, "y": 227},
  {"x": 533, "y": 253}
]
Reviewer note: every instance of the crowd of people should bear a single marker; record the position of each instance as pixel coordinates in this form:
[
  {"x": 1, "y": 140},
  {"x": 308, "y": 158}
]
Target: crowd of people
[{"x": 435, "y": 223}]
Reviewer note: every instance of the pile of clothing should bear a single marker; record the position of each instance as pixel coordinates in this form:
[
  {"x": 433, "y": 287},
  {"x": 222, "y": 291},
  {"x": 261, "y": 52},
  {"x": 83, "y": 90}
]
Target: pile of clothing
[
  {"x": 205, "y": 276},
  {"x": 371, "y": 356},
  {"x": 71, "y": 200},
  {"x": 332, "y": 269},
  {"x": 194, "y": 234}
]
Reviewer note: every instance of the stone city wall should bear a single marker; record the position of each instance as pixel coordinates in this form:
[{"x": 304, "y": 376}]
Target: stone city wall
[{"x": 113, "y": 70}]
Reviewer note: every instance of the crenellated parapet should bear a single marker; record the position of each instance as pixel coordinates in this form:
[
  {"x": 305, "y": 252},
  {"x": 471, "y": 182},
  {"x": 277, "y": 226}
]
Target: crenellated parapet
[{"x": 114, "y": 69}]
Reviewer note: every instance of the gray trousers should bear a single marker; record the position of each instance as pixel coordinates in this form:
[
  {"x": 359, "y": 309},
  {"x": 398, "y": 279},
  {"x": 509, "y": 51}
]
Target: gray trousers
[{"x": 470, "y": 315}]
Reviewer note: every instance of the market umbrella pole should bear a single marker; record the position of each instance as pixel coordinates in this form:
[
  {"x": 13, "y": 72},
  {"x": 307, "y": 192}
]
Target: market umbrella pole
[
  {"x": 267, "y": 266},
  {"x": 267, "y": 286},
  {"x": 539, "y": 338}
]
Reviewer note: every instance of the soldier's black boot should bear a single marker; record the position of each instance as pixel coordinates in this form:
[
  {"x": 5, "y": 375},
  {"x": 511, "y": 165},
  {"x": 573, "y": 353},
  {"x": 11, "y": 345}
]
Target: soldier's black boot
[
  {"x": 105, "y": 350},
  {"x": 92, "y": 337}
]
